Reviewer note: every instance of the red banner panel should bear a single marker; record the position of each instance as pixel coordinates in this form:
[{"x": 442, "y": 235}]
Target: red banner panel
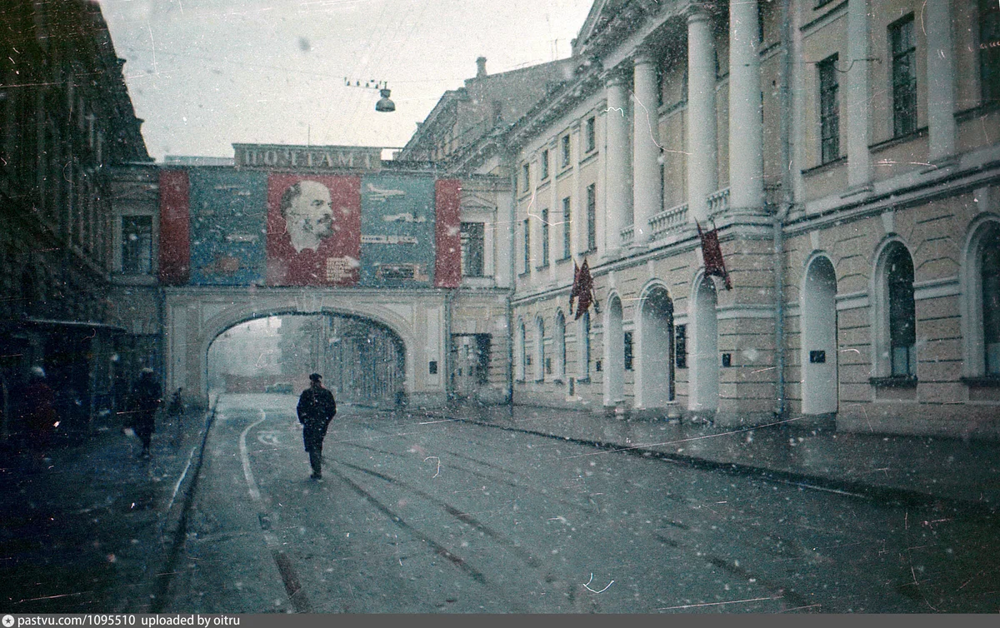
[
  {"x": 448, "y": 233},
  {"x": 313, "y": 230},
  {"x": 175, "y": 226}
]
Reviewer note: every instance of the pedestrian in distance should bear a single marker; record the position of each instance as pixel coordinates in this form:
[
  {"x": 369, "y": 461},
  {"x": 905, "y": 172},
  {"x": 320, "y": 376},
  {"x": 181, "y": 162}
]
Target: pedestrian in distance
[
  {"x": 39, "y": 415},
  {"x": 316, "y": 409},
  {"x": 176, "y": 407},
  {"x": 147, "y": 396}
]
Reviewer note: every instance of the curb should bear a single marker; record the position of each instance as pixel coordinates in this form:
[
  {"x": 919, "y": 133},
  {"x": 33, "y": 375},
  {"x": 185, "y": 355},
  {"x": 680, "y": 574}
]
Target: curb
[
  {"x": 174, "y": 525},
  {"x": 874, "y": 492}
]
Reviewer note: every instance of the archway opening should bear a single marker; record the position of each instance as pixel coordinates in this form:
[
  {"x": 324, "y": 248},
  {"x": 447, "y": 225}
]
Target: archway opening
[
  {"x": 362, "y": 361},
  {"x": 819, "y": 338},
  {"x": 705, "y": 350},
  {"x": 656, "y": 373}
]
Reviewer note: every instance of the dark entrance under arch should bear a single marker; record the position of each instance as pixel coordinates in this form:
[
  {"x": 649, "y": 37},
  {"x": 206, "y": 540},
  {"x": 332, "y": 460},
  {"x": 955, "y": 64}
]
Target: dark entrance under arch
[{"x": 362, "y": 361}]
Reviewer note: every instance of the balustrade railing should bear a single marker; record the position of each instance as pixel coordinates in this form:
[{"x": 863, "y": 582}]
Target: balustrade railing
[
  {"x": 669, "y": 220},
  {"x": 628, "y": 234},
  {"x": 718, "y": 202}
]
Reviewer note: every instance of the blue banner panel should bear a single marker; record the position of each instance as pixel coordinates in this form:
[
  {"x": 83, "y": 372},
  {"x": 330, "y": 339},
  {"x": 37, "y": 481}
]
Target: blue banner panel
[
  {"x": 397, "y": 231},
  {"x": 228, "y": 227}
]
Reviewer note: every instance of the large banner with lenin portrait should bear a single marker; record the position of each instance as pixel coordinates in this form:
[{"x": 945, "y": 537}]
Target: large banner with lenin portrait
[
  {"x": 313, "y": 230},
  {"x": 255, "y": 227}
]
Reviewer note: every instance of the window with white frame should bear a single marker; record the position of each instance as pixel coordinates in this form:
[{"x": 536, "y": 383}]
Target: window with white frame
[
  {"x": 545, "y": 239},
  {"x": 560, "y": 345},
  {"x": 592, "y": 217},
  {"x": 584, "y": 331},
  {"x": 567, "y": 227},
  {"x": 527, "y": 245},
  {"x": 540, "y": 350},
  {"x": 566, "y": 156},
  {"x": 591, "y": 134},
  {"x": 543, "y": 163},
  {"x": 521, "y": 353}
]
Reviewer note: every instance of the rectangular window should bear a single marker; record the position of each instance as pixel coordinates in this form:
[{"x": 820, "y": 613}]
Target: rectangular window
[
  {"x": 592, "y": 217},
  {"x": 545, "y": 238},
  {"x": 544, "y": 164},
  {"x": 472, "y": 249},
  {"x": 628, "y": 351},
  {"x": 829, "y": 110},
  {"x": 585, "y": 353},
  {"x": 567, "y": 227},
  {"x": 527, "y": 245},
  {"x": 137, "y": 244},
  {"x": 989, "y": 50},
  {"x": 526, "y": 177},
  {"x": 591, "y": 133},
  {"x": 483, "y": 350},
  {"x": 565, "y": 151},
  {"x": 904, "y": 77}
]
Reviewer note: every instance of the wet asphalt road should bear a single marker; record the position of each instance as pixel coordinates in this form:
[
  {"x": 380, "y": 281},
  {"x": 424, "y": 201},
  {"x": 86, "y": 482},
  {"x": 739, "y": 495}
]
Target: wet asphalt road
[{"x": 416, "y": 515}]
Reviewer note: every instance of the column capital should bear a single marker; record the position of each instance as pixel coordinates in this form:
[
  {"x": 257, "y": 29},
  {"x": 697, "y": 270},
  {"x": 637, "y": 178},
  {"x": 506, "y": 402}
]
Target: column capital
[
  {"x": 644, "y": 55},
  {"x": 615, "y": 77},
  {"x": 698, "y": 12}
]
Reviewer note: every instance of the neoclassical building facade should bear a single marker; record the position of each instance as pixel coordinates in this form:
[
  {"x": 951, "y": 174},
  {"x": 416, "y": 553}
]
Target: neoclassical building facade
[{"x": 846, "y": 152}]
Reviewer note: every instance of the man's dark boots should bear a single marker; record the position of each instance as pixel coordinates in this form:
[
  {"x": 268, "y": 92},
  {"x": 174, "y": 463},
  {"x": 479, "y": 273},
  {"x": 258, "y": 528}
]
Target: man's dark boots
[{"x": 316, "y": 462}]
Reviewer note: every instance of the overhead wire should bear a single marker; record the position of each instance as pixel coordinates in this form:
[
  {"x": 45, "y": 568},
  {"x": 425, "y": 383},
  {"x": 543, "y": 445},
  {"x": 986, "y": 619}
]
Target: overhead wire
[
  {"x": 382, "y": 51},
  {"x": 339, "y": 105}
]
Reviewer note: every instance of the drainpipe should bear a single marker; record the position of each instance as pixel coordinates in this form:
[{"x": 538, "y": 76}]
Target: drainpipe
[
  {"x": 783, "y": 208},
  {"x": 510, "y": 289},
  {"x": 446, "y": 362}
]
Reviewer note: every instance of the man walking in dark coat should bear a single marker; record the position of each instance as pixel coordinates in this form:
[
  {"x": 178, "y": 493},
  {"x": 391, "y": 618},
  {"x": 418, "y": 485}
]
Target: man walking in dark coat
[
  {"x": 316, "y": 409},
  {"x": 146, "y": 398}
]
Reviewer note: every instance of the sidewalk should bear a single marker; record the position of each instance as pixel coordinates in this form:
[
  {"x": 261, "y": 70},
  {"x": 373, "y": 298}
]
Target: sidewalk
[
  {"x": 897, "y": 468},
  {"x": 93, "y": 528}
]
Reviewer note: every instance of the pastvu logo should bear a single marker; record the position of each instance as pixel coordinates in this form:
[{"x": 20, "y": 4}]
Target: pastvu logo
[{"x": 8, "y": 621}]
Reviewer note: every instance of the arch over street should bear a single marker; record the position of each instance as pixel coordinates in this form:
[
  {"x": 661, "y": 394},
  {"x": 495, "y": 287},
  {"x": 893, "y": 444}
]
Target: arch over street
[{"x": 196, "y": 316}]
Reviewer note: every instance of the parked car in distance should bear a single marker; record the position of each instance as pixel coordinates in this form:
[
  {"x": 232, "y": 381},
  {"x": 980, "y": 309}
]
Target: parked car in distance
[{"x": 283, "y": 388}]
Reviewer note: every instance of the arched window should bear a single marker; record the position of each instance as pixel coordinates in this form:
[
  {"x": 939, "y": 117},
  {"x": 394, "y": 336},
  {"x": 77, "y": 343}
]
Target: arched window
[
  {"x": 560, "y": 346},
  {"x": 540, "y": 351},
  {"x": 982, "y": 302},
  {"x": 990, "y": 273},
  {"x": 521, "y": 354},
  {"x": 902, "y": 317}
]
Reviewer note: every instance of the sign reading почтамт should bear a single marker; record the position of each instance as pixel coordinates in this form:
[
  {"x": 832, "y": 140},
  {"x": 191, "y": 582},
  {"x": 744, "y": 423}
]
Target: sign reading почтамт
[{"x": 365, "y": 158}]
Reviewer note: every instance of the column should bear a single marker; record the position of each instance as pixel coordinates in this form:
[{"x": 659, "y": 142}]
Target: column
[
  {"x": 702, "y": 160},
  {"x": 646, "y": 146},
  {"x": 940, "y": 80},
  {"x": 859, "y": 161},
  {"x": 616, "y": 162},
  {"x": 746, "y": 165}
]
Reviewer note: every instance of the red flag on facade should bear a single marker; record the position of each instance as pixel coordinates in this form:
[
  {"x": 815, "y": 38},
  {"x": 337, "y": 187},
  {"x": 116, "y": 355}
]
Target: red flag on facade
[
  {"x": 575, "y": 291},
  {"x": 583, "y": 290},
  {"x": 712, "y": 253}
]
